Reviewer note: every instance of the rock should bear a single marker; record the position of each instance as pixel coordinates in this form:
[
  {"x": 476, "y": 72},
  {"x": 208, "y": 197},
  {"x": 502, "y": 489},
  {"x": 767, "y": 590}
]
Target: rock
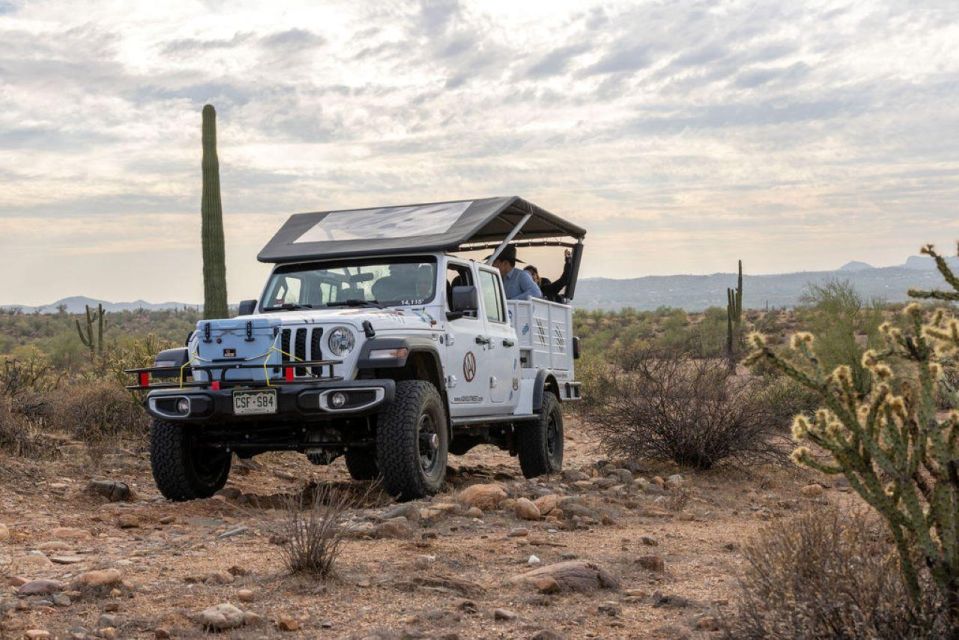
[
  {"x": 407, "y": 510},
  {"x": 40, "y": 588},
  {"x": 518, "y": 532},
  {"x": 128, "y": 521},
  {"x": 107, "y": 620},
  {"x": 811, "y": 490},
  {"x": 220, "y": 617},
  {"x": 573, "y": 475},
  {"x": 546, "y": 503},
  {"x": 474, "y": 512},
  {"x": 571, "y": 575},
  {"x": 649, "y": 542},
  {"x": 245, "y": 595},
  {"x": 287, "y": 623},
  {"x": 251, "y": 619},
  {"x": 482, "y": 496},
  {"x": 54, "y": 545},
  {"x": 393, "y": 528},
  {"x": 167, "y": 520},
  {"x": 4, "y": 532},
  {"x": 66, "y": 559},
  {"x": 108, "y": 633},
  {"x": 161, "y": 633},
  {"x": 37, "y": 634},
  {"x": 94, "y": 579},
  {"x": 547, "y": 585},
  {"x": 624, "y": 476},
  {"x": 503, "y": 614},
  {"x": 70, "y": 533},
  {"x": 62, "y": 600},
  {"x": 359, "y": 530},
  {"x": 651, "y": 563},
  {"x": 235, "y": 531},
  {"x": 610, "y": 608},
  {"x": 526, "y": 510},
  {"x": 112, "y": 490},
  {"x": 31, "y": 563},
  {"x": 660, "y": 600},
  {"x": 534, "y": 561},
  {"x": 674, "y": 481}
]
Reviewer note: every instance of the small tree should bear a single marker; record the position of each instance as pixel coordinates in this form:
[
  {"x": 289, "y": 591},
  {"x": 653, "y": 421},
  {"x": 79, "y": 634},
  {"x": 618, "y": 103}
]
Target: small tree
[{"x": 897, "y": 452}]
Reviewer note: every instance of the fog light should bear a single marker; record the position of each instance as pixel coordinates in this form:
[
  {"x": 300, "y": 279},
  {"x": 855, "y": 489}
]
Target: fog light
[
  {"x": 183, "y": 406},
  {"x": 337, "y": 400}
]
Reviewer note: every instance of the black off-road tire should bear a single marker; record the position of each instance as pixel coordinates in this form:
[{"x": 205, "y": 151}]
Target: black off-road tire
[
  {"x": 183, "y": 469},
  {"x": 361, "y": 463},
  {"x": 409, "y": 470},
  {"x": 540, "y": 444}
]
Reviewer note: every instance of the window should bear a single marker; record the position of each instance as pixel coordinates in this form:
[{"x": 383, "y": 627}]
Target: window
[
  {"x": 358, "y": 282},
  {"x": 492, "y": 296}
]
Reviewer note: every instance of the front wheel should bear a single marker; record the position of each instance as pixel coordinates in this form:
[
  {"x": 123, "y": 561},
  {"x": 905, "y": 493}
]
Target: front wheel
[
  {"x": 412, "y": 441},
  {"x": 183, "y": 468},
  {"x": 540, "y": 444}
]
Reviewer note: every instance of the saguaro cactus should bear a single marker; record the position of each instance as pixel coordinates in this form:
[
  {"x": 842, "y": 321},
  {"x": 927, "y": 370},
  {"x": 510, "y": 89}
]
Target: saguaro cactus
[
  {"x": 92, "y": 341},
  {"x": 211, "y": 209},
  {"x": 734, "y": 317}
]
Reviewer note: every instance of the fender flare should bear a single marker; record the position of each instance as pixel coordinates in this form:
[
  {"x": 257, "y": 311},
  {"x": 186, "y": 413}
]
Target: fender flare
[
  {"x": 411, "y": 344},
  {"x": 539, "y": 389}
]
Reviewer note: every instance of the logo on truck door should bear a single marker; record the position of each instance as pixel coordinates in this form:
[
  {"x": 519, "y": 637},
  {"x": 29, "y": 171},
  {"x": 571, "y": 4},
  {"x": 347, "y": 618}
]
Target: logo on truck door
[{"x": 469, "y": 366}]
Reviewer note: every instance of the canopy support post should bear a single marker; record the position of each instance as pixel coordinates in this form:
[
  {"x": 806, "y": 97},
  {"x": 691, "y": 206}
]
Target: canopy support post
[{"x": 509, "y": 237}]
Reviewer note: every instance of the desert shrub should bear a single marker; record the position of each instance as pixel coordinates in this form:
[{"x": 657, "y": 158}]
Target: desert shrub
[
  {"x": 836, "y": 314},
  {"x": 786, "y": 399},
  {"x": 100, "y": 413},
  {"x": 675, "y": 407},
  {"x": 827, "y": 574},
  {"x": 313, "y": 532},
  {"x": 19, "y": 436}
]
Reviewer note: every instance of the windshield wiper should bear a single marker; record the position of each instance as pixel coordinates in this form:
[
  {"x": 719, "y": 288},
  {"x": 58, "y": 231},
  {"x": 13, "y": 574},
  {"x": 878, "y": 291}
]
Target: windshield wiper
[
  {"x": 353, "y": 302},
  {"x": 288, "y": 306}
]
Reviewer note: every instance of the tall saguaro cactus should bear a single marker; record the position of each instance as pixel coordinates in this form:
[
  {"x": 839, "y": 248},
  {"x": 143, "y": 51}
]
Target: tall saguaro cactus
[
  {"x": 734, "y": 317},
  {"x": 211, "y": 209},
  {"x": 92, "y": 341}
]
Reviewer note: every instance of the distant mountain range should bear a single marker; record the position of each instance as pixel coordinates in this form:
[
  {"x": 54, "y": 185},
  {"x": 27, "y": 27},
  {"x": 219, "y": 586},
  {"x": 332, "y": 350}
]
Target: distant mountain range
[{"x": 690, "y": 292}]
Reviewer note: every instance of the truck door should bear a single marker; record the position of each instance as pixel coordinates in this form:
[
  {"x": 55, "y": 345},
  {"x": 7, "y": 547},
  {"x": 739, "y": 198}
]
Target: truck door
[
  {"x": 502, "y": 353},
  {"x": 465, "y": 352}
]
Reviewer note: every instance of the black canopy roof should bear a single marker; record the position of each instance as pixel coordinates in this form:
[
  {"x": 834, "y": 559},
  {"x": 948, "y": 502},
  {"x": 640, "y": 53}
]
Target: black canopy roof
[{"x": 437, "y": 226}]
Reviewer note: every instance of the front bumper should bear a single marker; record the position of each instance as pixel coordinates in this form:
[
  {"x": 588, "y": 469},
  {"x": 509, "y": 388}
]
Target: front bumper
[{"x": 309, "y": 400}]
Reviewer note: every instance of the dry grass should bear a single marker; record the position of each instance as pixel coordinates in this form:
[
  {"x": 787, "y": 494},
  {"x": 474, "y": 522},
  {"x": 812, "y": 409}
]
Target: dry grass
[
  {"x": 312, "y": 532},
  {"x": 826, "y": 574},
  {"x": 101, "y": 414}
]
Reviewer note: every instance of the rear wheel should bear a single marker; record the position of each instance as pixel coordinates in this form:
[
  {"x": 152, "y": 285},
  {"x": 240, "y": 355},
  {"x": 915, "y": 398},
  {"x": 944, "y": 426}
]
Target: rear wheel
[
  {"x": 540, "y": 444},
  {"x": 412, "y": 441},
  {"x": 183, "y": 468},
  {"x": 361, "y": 463}
]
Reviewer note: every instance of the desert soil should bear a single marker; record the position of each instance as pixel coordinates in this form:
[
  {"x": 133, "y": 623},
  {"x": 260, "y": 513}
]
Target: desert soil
[{"x": 671, "y": 544}]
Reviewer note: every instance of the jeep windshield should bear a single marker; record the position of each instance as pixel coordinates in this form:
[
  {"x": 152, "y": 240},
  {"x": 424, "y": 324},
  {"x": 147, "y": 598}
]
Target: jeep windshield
[{"x": 372, "y": 282}]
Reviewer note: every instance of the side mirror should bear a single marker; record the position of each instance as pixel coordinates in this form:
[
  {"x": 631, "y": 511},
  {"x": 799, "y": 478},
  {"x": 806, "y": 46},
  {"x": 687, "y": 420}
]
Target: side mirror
[
  {"x": 464, "y": 299},
  {"x": 247, "y": 307}
]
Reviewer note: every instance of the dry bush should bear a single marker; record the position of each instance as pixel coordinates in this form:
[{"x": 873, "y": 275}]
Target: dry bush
[
  {"x": 101, "y": 414},
  {"x": 827, "y": 574},
  {"x": 787, "y": 398},
  {"x": 674, "y": 407},
  {"x": 313, "y": 533},
  {"x": 18, "y": 435}
]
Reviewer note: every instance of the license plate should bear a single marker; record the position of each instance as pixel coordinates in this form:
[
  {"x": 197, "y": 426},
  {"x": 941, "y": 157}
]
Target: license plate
[{"x": 247, "y": 403}]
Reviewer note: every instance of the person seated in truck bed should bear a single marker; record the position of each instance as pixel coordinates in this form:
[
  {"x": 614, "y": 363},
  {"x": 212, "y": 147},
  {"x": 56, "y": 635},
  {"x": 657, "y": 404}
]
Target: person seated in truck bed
[
  {"x": 517, "y": 284},
  {"x": 553, "y": 291}
]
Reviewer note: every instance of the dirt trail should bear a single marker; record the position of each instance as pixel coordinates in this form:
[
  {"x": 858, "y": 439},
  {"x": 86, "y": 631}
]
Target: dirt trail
[{"x": 674, "y": 549}]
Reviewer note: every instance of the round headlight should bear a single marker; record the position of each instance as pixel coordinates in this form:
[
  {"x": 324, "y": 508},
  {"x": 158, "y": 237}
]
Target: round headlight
[{"x": 341, "y": 341}]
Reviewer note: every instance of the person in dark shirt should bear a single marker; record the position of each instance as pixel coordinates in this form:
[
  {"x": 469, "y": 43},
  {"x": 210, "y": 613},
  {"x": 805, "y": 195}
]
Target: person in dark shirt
[{"x": 554, "y": 291}]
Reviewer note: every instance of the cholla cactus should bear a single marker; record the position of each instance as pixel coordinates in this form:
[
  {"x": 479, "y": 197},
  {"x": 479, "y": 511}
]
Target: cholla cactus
[{"x": 897, "y": 451}]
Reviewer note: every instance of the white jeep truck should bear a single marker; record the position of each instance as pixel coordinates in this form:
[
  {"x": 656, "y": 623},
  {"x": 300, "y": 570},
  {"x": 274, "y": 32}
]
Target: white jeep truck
[{"x": 376, "y": 340}]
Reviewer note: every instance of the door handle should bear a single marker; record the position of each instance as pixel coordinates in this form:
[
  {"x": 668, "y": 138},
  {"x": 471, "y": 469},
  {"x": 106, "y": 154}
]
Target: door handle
[
  {"x": 507, "y": 342},
  {"x": 482, "y": 340}
]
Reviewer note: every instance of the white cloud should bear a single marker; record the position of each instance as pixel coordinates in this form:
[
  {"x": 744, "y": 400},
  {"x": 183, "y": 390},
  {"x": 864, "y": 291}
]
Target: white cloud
[{"x": 682, "y": 136}]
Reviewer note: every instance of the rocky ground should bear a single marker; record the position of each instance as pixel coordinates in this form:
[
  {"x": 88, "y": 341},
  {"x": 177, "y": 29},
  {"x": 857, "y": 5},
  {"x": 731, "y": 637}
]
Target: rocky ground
[{"x": 603, "y": 551}]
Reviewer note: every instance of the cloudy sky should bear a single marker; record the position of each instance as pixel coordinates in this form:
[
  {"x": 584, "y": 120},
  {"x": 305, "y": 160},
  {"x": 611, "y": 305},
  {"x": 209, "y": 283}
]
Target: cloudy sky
[{"x": 682, "y": 135}]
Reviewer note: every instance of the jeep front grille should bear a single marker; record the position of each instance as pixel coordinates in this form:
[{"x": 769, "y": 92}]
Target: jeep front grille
[{"x": 295, "y": 342}]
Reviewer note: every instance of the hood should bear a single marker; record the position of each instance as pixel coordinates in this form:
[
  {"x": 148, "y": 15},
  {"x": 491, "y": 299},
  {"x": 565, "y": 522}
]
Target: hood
[{"x": 381, "y": 319}]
